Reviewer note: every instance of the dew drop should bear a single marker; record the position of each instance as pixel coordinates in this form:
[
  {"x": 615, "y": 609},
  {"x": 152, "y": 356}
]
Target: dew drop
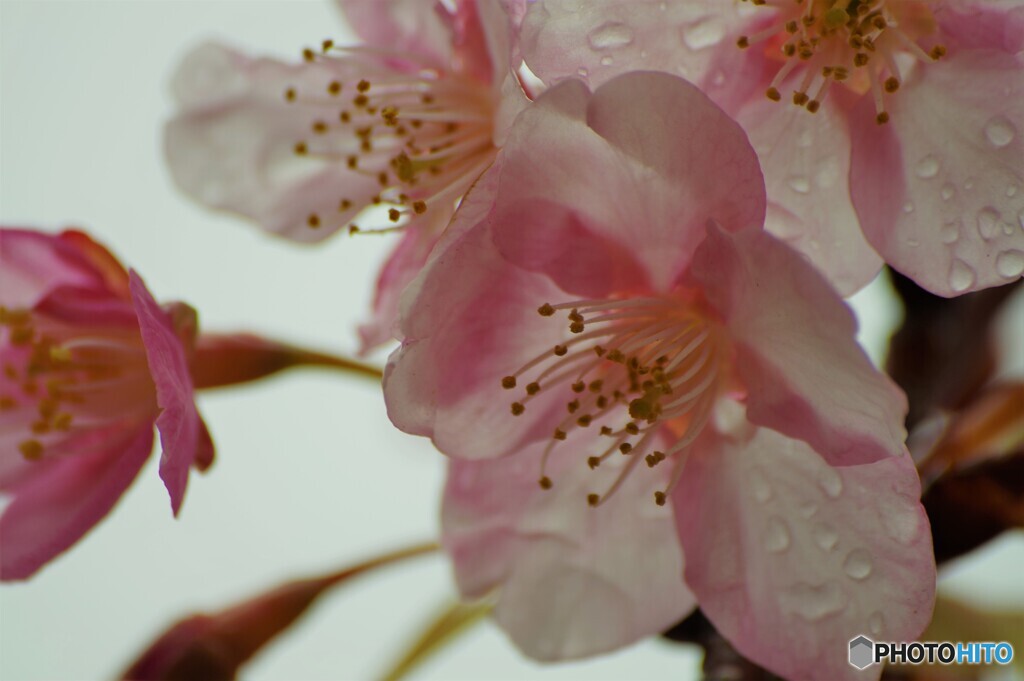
[
  {"x": 948, "y": 191},
  {"x": 610, "y": 36},
  {"x": 875, "y": 622},
  {"x": 808, "y": 509},
  {"x": 607, "y": 60},
  {"x": 702, "y": 34},
  {"x": 898, "y": 515},
  {"x": 718, "y": 79},
  {"x": 825, "y": 536},
  {"x": 813, "y": 602},
  {"x": 1011, "y": 191},
  {"x": 762, "y": 490},
  {"x": 858, "y": 564},
  {"x": 961, "y": 276},
  {"x": 1000, "y": 131},
  {"x": 928, "y": 167},
  {"x": 799, "y": 184},
  {"x": 830, "y": 482},
  {"x": 908, "y": 207},
  {"x": 969, "y": 183},
  {"x": 988, "y": 223},
  {"x": 950, "y": 233},
  {"x": 1010, "y": 263},
  {"x": 776, "y": 538},
  {"x": 582, "y": 72},
  {"x": 828, "y": 173}
]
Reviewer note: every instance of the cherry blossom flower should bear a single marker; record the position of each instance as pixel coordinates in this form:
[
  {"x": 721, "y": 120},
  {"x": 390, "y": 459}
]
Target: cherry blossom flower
[
  {"x": 913, "y": 149},
  {"x": 702, "y": 410},
  {"x": 90, "y": 363},
  {"x": 404, "y": 122}
]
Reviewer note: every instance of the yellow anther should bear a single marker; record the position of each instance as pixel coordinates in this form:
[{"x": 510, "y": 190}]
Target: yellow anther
[
  {"x": 508, "y": 382},
  {"x": 32, "y": 450},
  {"x": 545, "y": 482},
  {"x": 545, "y": 310}
]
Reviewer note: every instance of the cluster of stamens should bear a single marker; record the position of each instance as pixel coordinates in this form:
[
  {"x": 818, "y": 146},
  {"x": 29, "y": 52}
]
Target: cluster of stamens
[
  {"x": 424, "y": 136},
  {"x": 48, "y": 388},
  {"x": 629, "y": 367},
  {"x": 854, "y": 42}
]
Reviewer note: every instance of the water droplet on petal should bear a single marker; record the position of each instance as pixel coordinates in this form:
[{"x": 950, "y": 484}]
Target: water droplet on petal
[
  {"x": 948, "y": 191},
  {"x": 858, "y": 564},
  {"x": 1000, "y": 131},
  {"x": 928, "y": 167},
  {"x": 950, "y": 233},
  {"x": 610, "y": 36},
  {"x": 988, "y": 223},
  {"x": 961, "y": 276},
  {"x": 899, "y": 516},
  {"x": 969, "y": 183},
  {"x": 582, "y": 72},
  {"x": 776, "y": 538},
  {"x": 828, "y": 173},
  {"x": 908, "y": 207},
  {"x": 607, "y": 60},
  {"x": 830, "y": 482},
  {"x": 875, "y": 622},
  {"x": 808, "y": 509},
  {"x": 1011, "y": 191},
  {"x": 813, "y": 602},
  {"x": 702, "y": 34},
  {"x": 825, "y": 536},
  {"x": 1010, "y": 263},
  {"x": 762, "y": 490},
  {"x": 799, "y": 184}
]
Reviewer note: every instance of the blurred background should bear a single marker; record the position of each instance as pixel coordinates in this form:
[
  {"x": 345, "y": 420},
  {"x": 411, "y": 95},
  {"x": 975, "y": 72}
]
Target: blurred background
[{"x": 310, "y": 475}]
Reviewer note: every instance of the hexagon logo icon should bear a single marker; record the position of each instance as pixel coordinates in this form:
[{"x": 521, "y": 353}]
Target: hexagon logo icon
[{"x": 862, "y": 652}]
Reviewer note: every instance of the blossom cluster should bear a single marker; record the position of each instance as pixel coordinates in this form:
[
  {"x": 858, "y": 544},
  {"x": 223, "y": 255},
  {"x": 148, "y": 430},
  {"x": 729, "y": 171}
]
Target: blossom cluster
[{"x": 615, "y": 301}]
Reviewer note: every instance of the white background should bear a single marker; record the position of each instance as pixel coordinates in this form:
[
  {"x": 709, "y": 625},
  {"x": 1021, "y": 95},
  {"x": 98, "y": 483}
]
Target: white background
[{"x": 309, "y": 474}]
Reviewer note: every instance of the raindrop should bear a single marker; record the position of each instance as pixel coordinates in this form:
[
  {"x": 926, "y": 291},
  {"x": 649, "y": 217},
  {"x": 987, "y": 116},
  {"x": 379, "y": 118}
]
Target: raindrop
[
  {"x": 830, "y": 482},
  {"x": 702, "y": 34},
  {"x": 858, "y": 564},
  {"x": 828, "y": 173},
  {"x": 988, "y": 223},
  {"x": 799, "y": 184},
  {"x": 875, "y": 622},
  {"x": 1010, "y": 263},
  {"x": 762, "y": 490},
  {"x": 825, "y": 536},
  {"x": 928, "y": 167},
  {"x": 1000, "y": 131},
  {"x": 582, "y": 72},
  {"x": 961, "y": 276},
  {"x": 776, "y": 538},
  {"x": 808, "y": 509},
  {"x": 948, "y": 190},
  {"x": 908, "y": 207},
  {"x": 898, "y": 515},
  {"x": 950, "y": 233},
  {"x": 969, "y": 183},
  {"x": 1011, "y": 191},
  {"x": 718, "y": 78},
  {"x": 813, "y": 602},
  {"x": 610, "y": 36},
  {"x": 607, "y": 60}
]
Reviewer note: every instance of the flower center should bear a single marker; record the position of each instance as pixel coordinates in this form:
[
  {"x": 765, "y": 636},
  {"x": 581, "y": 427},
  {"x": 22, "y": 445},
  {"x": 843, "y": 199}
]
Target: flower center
[
  {"x": 631, "y": 366},
  {"x": 55, "y": 387},
  {"x": 855, "y": 42},
  {"x": 422, "y": 134}
]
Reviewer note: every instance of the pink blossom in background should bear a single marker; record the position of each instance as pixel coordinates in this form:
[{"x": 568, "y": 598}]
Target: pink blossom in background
[
  {"x": 405, "y": 121},
  {"x": 937, "y": 191},
  {"x": 90, "y": 363},
  {"x": 650, "y": 402}
]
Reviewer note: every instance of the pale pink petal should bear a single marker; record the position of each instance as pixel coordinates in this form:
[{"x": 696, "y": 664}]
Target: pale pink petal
[
  {"x": 423, "y": 28},
  {"x": 574, "y": 580},
  {"x": 806, "y": 163},
  {"x": 940, "y": 189},
  {"x": 232, "y": 147},
  {"x": 796, "y": 354},
  {"x": 791, "y": 558},
  {"x": 981, "y": 24},
  {"x": 597, "y": 41},
  {"x": 33, "y": 264},
  {"x": 51, "y": 511},
  {"x": 611, "y": 191},
  {"x": 183, "y": 436}
]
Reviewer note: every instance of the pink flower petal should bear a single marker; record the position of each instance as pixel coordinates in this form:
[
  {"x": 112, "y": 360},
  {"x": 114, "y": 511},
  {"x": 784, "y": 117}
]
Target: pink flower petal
[
  {"x": 574, "y": 580},
  {"x": 420, "y": 27},
  {"x": 669, "y": 160},
  {"x": 597, "y": 41},
  {"x": 940, "y": 189},
  {"x": 33, "y": 264},
  {"x": 183, "y": 436},
  {"x": 51, "y": 511},
  {"x": 233, "y": 145},
  {"x": 791, "y": 558},
  {"x": 796, "y": 355}
]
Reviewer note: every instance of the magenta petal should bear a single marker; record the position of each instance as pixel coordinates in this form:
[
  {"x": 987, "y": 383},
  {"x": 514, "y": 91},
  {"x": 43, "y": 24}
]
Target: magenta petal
[
  {"x": 183, "y": 436},
  {"x": 574, "y": 580},
  {"x": 796, "y": 354},
  {"x": 940, "y": 189},
  {"x": 51, "y": 511},
  {"x": 791, "y": 558},
  {"x": 33, "y": 264}
]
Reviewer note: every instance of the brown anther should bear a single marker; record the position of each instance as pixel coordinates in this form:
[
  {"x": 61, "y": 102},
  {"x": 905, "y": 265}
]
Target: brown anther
[
  {"x": 789, "y": 49},
  {"x": 632, "y": 428},
  {"x": 390, "y": 115},
  {"x": 319, "y": 127},
  {"x": 605, "y": 430},
  {"x": 593, "y": 499},
  {"x": 313, "y": 220},
  {"x": 344, "y": 117},
  {"x": 882, "y": 118},
  {"x": 7, "y": 403},
  {"x": 660, "y": 498},
  {"x": 394, "y": 214},
  {"x": 334, "y": 88},
  {"x": 517, "y": 408},
  {"x": 508, "y": 382},
  {"x": 352, "y": 162},
  {"x": 545, "y": 310},
  {"x": 419, "y": 207},
  {"x": 575, "y": 316},
  {"x": 937, "y": 52},
  {"x": 289, "y": 94},
  {"x": 301, "y": 149},
  {"x": 573, "y": 406},
  {"x": 773, "y": 94},
  {"x": 599, "y": 351},
  {"x": 326, "y": 45},
  {"x": 533, "y": 388},
  {"x": 594, "y": 462},
  {"x": 584, "y": 420},
  {"x": 625, "y": 448},
  {"x": 861, "y": 59},
  {"x": 602, "y": 402},
  {"x": 576, "y": 327},
  {"x": 344, "y": 205},
  {"x": 308, "y": 54},
  {"x": 32, "y": 450},
  {"x": 879, "y": 22},
  {"x": 651, "y": 460},
  {"x": 360, "y": 100},
  {"x": 560, "y": 350},
  {"x": 545, "y": 482},
  {"x": 22, "y": 335},
  {"x": 353, "y": 229},
  {"x": 595, "y": 386},
  {"x": 800, "y": 98},
  {"x": 382, "y": 179},
  {"x": 892, "y": 84},
  {"x": 743, "y": 42},
  {"x": 558, "y": 434},
  {"x": 62, "y": 421},
  {"x": 792, "y": 27},
  {"x": 813, "y": 106},
  {"x": 363, "y": 85}
]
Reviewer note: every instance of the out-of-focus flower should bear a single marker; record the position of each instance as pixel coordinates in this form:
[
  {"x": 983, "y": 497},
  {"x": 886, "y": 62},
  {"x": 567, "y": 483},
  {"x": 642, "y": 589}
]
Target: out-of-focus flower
[
  {"x": 937, "y": 191},
  {"x": 406, "y": 122},
  {"x": 707, "y": 401},
  {"x": 89, "y": 363}
]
